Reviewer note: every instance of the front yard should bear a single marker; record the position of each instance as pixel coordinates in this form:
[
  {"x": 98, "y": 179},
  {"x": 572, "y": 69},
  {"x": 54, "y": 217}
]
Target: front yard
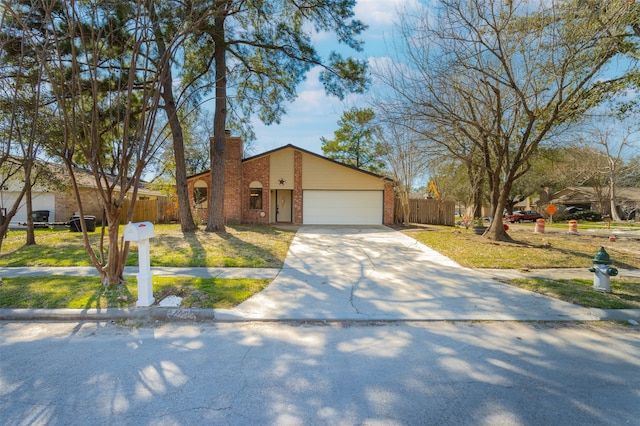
[{"x": 264, "y": 246}]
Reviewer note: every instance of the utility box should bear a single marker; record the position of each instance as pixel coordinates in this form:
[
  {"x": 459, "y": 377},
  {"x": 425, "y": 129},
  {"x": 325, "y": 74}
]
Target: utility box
[
  {"x": 141, "y": 232},
  {"x": 138, "y": 231}
]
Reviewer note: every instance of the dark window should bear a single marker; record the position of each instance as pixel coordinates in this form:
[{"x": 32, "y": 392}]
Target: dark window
[
  {"x": 255, "y": 199},
  {"x": 199, "y": 196}
]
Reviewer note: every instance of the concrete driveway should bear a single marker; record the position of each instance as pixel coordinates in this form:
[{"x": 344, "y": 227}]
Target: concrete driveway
[{"x": 376, "y": 273}]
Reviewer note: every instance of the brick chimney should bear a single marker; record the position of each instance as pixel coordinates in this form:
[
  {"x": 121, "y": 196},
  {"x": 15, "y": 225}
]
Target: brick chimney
[{"x": 233, "y": 179}]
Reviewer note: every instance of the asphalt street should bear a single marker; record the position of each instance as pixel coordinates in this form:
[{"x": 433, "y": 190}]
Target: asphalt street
[
  {"x": 362, "y": 326},
  {"x": 256, "y": 373}
]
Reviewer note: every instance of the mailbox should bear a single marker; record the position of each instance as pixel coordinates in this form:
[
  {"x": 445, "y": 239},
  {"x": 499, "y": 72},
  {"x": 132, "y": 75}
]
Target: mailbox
[
  {"x": 138, "y": 231},
  {"x": 142, "y": 232}
]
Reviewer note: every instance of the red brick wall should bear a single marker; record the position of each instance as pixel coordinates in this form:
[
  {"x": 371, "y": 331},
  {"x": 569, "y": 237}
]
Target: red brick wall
[
  {"x": 233, "y": 181},
  {"x": 389, "y": 203},
  {"x": 256, "y": 170},
  {"x": 297, "y": 187}
]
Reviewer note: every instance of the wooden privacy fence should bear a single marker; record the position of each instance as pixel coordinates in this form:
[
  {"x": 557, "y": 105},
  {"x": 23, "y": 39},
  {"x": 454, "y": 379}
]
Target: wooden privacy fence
[
  {"x": 428, "y": 211},
  {"x": 161, "y": 210}
]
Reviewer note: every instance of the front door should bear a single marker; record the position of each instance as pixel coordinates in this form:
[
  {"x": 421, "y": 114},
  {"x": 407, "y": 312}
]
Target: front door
[{"x": 283, "y": 205}]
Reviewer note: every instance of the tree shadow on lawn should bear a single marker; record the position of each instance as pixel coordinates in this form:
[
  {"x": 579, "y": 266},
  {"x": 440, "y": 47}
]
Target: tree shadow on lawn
[
  {"x": 241, "y": 253},
  {"x": 585, "y": 259},
  {"x": 111, "y": 296},
  {"x": 202, "y": 249},
  {"x": 248, "y": 255}
]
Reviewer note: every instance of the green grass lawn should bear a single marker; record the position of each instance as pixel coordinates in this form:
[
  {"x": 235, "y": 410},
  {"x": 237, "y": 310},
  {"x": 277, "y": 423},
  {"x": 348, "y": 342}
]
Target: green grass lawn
[
  {"x": 55, "y": 292},
  {"x": 264, "y": 246},
  {"x": 241, "y": 246},
  {"x": 528, "y": 250},
  {"x": 553, "y": 249},
  {"x": 625, "y": 292}
]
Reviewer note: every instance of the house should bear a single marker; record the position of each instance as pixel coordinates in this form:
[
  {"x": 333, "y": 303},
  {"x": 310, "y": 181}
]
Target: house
[
  {"x": 588, "y": 198},
  {"x": 54, "y": 198},
  {"x": 292, "y": 185}
]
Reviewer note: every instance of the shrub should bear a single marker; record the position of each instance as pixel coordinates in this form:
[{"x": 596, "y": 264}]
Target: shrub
[{"x": 585, "y": 215}]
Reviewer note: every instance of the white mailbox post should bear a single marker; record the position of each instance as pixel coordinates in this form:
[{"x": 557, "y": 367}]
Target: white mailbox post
[{"x": 140, "y": 233}]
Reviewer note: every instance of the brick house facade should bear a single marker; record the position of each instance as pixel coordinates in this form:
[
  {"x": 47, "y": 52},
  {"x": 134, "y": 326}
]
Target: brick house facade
[{"x": 273, "y": 187}]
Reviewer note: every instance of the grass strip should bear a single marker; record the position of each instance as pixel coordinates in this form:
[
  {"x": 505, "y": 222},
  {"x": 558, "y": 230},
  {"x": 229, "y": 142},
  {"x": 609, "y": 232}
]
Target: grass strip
[
  {"x": 625, "y": 292},
  {"x": 56, "y": 292}
]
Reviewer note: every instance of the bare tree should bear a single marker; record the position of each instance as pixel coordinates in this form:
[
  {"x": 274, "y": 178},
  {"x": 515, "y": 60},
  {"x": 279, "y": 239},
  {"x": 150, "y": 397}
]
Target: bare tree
[
  {"x": 500, "y": 76},
  {"x": 96, "y": 58},
  {"x": 23, "y": 122},
  {"x": 407, "y": 160},
  {"x": 613, "y": 144}
]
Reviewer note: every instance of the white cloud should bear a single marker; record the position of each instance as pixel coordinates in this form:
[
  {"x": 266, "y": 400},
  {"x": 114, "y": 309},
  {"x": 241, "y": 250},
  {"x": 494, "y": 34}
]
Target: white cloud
[
  {"x": 382, "y": 12},
  {"x": 314, "y": 114},
  {"x": 380, "y": 64}
]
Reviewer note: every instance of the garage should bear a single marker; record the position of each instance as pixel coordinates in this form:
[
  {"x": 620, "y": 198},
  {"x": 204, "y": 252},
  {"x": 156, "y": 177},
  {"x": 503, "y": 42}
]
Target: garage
[{"x": 342, "y": 207}]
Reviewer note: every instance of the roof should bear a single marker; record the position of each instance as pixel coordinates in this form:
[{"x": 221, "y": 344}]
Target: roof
[
  {"x": 59, "y": 180},
  {"x": 588, "y": 193},
  {"x": 290, "y": 146}
]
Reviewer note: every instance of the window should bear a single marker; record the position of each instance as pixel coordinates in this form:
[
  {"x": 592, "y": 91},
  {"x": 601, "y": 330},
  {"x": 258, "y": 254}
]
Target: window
[
  {"x": 200, "y": 196},
  {"x": 255, "y": 199}
]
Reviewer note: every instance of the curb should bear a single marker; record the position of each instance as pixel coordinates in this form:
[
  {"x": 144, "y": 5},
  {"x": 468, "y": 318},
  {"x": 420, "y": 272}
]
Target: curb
[
  {"x": 106, "y": 314},
  {"x": 616, "y": 314},
  {"x": 202, "y": 315}
]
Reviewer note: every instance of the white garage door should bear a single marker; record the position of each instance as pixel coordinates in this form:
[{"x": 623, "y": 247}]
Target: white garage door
[{"x": 342, "y": 207}]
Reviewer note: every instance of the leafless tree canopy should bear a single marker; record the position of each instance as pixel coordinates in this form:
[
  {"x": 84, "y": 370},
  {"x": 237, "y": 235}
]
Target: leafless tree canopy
[{"x": 489, "y": 80}]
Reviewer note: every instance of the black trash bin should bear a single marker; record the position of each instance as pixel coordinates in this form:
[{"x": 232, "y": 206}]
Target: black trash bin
[
  {"x": 89, "y": 221},
  {"x": 40, "y": 218}
]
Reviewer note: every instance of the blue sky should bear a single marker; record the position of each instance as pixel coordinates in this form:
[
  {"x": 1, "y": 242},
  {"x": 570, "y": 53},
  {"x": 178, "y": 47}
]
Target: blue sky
[{"x": 314, "y": 114}]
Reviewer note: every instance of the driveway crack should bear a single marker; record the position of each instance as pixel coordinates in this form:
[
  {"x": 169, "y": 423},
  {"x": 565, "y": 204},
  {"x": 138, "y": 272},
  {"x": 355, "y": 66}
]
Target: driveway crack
[{"x": 352, "y": 296}]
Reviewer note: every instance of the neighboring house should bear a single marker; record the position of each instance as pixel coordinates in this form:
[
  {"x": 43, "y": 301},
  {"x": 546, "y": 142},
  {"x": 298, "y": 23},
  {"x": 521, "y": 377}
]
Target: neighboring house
[
  {"x": 587, "y": 198},
  {"x": 58, "y": 200},
  {"x": 292, "y": 185}
]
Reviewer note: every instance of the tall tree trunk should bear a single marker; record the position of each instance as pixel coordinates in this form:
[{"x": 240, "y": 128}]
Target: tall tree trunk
[
  {"x": 170, "y": 109},
  {"x": 496, "y": 229},
  {"x": 405, "y": 207},
  {"x": 477, "y": 184},
  {"x": 612, "y": 200},
  {"x": 184, "y": 206},
  {"x": 218, "y": 151},
  {"x": 31, "y": 237}
]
